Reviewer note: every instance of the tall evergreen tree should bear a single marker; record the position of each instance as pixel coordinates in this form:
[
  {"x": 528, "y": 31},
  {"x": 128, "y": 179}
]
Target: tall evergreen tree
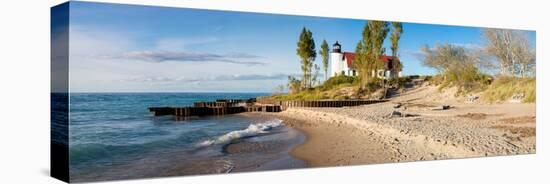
[
  {"x": 306, "y": 51},
  {"x": 324, "y": 53}
]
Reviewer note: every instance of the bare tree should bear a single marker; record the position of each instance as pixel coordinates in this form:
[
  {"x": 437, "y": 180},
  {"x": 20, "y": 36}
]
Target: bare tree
[
  {"x": 512, "y": 51},
  {"x": 324, "y": 52},
  {"x": 526, "y": 57},
  {"x": 294, "y": 85},
  {"x": 316, "y": 72},
  {"x": 446, "y": 57},
  {"x": 456, "y": 64}
]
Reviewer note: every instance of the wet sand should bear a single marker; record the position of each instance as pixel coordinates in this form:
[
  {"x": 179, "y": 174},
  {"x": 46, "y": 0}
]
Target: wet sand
[
  {"x": 336, "y": 144},
  {"x": 261, "y": 154}
]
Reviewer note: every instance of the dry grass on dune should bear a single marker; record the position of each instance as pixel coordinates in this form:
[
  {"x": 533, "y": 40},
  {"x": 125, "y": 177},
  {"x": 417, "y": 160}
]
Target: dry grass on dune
[
  {"x": 335, "y": 88},
  {"x": 503, "y": 88}
]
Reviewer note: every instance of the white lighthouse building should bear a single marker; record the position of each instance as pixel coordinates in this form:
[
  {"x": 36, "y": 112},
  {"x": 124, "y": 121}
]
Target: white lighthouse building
[{"x": 341, "y": 63}]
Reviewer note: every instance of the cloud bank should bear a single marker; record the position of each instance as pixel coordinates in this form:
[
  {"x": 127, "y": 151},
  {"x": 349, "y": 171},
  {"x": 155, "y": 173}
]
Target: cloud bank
[
  {"x": 248, "y": 77},
  {"x": 182, "y": 56}
]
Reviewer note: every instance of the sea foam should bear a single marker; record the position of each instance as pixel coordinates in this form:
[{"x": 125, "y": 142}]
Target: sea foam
[{"x": 252, "y": 130}]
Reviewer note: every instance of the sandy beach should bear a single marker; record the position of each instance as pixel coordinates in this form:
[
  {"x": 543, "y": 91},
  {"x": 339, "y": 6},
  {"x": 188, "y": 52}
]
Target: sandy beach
[{"x": 410, "y": 127}]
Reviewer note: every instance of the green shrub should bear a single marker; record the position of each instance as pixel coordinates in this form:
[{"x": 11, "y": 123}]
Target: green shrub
[
  {"x": 371, "y": 86},
  {"x": 336, "y": 81},
  {"x": 294, "y": 85},
  {"x": 468, "y": 79},
  {"x": 337, "y": 88},
  {"x": 308, "y": 94}
]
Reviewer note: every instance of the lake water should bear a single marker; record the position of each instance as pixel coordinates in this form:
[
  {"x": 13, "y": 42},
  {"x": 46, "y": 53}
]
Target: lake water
[{"x": 114, "y": 136}]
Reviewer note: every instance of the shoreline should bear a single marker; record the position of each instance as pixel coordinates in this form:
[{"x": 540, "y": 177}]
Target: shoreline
[
  {"x": 339, "y": 144},
  {"x": 367, "y": 135},
  {"x": 257, "y": 152},
  {"x": 405, "y": 128},
  {"x": 328, "y": 144},
  {"x": 336, "y": 140}
]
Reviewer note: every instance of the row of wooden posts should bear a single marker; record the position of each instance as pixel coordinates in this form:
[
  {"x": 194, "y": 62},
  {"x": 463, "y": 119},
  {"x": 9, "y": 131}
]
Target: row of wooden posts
[
  {"x": 211, "y": 111},
  {"x": 225, "y": 103},
  {"x": 232, "y": 107},
  {"x": 327, "y": 103},
  {"x": 216, "y": 104}
]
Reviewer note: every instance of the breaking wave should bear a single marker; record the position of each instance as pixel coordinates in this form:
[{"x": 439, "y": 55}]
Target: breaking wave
[{"x": 252, "y": 130}]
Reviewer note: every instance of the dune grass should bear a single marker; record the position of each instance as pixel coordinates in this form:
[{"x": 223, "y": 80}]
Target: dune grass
[
  {"x": 330, "y": 89},
  {"x": 466, "y": 80},
  {"x": 492, "y": 90},
  {"x": 503, "y": 88}
]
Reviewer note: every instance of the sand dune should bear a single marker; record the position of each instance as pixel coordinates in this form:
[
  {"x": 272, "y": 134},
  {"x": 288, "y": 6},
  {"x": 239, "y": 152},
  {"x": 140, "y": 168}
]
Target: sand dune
[{"x": 370, "y": 134}]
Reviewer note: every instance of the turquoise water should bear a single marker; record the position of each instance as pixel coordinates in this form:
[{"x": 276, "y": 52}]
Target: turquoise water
[{"x": 114, "y": 136}]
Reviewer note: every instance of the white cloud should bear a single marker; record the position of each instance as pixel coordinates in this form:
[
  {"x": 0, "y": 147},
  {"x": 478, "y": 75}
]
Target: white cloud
[
  {"x": 182, "y": 56},
  {"x": 469, "y": 46},
  {"x": 179, "y": 44},
  {"x": 108, "y": 60},
  {"x": 236, "y": 77}
]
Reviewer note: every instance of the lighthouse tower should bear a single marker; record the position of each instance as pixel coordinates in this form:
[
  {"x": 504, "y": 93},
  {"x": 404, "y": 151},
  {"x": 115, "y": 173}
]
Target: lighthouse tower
[{"x": 336, "y": 60}]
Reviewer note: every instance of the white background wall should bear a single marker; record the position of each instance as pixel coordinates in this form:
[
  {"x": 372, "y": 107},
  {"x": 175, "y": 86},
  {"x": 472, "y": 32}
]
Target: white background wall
[{"x": 24, "y": 99}]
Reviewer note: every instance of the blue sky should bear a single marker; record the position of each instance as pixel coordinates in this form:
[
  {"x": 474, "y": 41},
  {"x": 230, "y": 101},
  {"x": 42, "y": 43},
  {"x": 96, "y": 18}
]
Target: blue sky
[{"x": 123, "y": 48}]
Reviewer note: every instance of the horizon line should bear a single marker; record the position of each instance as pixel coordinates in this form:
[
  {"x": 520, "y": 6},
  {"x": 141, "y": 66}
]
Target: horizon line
[{"x": 159, "y": 92}]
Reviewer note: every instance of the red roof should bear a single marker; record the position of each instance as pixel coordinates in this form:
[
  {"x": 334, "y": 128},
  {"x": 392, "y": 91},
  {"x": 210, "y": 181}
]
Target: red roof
[
  {"x": 386, "y": 58},
  {"x": 350, "y": 56}
]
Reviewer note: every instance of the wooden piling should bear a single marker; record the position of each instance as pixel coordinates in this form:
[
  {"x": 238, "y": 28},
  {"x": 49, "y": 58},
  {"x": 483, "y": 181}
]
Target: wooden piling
[{"x": 223, "y": 107}]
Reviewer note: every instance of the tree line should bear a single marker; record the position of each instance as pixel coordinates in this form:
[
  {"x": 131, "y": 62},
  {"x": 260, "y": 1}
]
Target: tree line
[
  {"x": 368, "y": 52},
  {"x": 507, "y": 51},
  {"x": 514, "y": 53},
  {"x": 370, "y": 48}
]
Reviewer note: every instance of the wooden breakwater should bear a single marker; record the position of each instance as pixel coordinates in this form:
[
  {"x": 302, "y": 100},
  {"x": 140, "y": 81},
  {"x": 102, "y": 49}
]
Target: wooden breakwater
[
  {"x": 327, "y": 103},
  {"x": 218, "y": 107},
  {"x": 223, "y": 107},
  {"x": 211, "y": 111},
  {"x": 226, "y": 103}
]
